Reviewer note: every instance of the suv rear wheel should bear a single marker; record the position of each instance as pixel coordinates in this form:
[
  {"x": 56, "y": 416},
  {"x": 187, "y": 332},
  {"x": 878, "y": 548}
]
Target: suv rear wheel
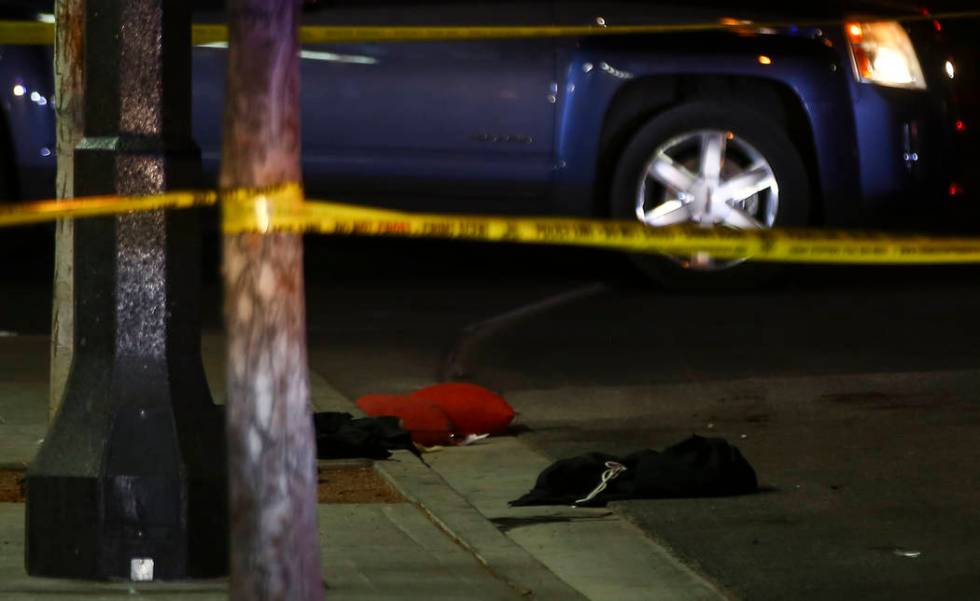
[{"x": 714, "y": 166}]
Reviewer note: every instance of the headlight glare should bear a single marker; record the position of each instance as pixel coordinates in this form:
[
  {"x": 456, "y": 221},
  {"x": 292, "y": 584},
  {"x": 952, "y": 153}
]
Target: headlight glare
[{"x": 883, "y": 54}]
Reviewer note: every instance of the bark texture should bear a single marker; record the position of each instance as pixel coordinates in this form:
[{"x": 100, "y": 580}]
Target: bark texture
[
  {"x": 70, "y": 81},
  {"x": 272, "y": 459}
]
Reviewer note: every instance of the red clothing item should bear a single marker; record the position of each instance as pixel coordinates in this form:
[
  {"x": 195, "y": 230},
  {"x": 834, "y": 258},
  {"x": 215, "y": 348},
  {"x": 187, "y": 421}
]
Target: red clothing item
[
  {"x": 472, "y": 409},
  {"x": 427, "y": 423}
]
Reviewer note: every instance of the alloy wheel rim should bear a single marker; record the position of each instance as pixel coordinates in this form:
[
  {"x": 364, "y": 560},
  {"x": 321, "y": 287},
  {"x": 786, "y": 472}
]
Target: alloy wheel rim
[{"x": 708, "y": 177}]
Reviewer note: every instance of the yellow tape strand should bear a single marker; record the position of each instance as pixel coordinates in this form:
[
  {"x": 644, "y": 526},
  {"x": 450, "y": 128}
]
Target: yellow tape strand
[
  {"x": 351, "y": 34},
  {"x": 39, "y": 33},
  {"x": 796, "y": 246},
  {"x": 26, "y": 33},
  {"x": 281, "y": 209},
  {"x": 260, "y": 210},
  {"x": 100, "y": 206}
]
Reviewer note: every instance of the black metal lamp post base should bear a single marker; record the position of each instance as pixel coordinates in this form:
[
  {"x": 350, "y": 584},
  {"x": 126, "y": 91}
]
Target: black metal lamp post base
[
  {"x": 130, "y": 482},
  {"x": 137, "y": 515}
]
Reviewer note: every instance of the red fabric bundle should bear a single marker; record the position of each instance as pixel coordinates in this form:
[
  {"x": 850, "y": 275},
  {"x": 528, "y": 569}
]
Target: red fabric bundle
[
  {"x": 472, "y": 409},
  {"x": 427, "y": 423}
]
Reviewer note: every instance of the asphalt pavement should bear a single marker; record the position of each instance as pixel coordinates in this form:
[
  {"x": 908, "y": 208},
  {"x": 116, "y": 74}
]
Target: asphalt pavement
[{"x": 852, "y": 391}]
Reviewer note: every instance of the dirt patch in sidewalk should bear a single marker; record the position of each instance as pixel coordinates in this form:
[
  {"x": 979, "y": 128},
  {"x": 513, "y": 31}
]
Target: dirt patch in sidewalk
[
  {"x": 335, "y": 484},
  {"x": 354, "y": 484},
  {"x": 11, "y": 486}
]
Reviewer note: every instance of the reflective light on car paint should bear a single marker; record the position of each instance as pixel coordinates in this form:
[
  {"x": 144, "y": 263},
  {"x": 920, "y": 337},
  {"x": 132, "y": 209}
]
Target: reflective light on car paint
[
  {"x": 19, "y": 90},
  {"x": 744, "y": 27},
  {"x": 606, "y": 67},
  {"x": 331, "y": 57},
  {"x": 315, "y": 55},
  {"x": 950, "y": 69},
  {"x": 45, "y": 151},
  {"x": 732, "y": 22},
  {"x": 38, "y": 99},
  {"x": 764, "y": 60}
]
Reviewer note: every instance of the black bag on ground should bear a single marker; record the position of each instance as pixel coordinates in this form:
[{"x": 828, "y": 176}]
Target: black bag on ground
[
  {"x": 696, "y": 467},
  {"x": 340, "y": 436}
]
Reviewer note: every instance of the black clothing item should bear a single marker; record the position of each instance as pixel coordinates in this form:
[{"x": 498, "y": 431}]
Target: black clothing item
[
  {"x": 696, "y": 467},
  {"x": 340, "y": 436}
]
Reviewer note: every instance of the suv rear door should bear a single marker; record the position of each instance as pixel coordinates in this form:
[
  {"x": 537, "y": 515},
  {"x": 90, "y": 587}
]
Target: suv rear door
[
  {"x": 440, "y": 119},
  {"x": 419, "y": 124}
]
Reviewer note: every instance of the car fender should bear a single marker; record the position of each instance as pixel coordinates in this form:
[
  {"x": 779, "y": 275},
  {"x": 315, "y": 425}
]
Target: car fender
[{"x": 597, "y": 70}]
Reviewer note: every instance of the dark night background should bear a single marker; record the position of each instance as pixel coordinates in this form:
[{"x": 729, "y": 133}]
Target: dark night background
[{"x": 853, "y": 390}]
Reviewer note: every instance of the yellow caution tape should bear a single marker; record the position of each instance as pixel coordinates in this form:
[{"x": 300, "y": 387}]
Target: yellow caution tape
[
  {"x": 100, "y": 206},
  {"x": 260, "y": 210},
  {"x": 792, "y": 246},
  {"x": 41, "y": 33},
  {"x": 26, "y": 33},
  {"x": 282, "y": 209},
  {"x": 351, "y": 34}
]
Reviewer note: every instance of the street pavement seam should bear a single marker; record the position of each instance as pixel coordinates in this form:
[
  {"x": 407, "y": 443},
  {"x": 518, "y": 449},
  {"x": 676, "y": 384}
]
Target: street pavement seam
[{"x": 463, "y": 523}]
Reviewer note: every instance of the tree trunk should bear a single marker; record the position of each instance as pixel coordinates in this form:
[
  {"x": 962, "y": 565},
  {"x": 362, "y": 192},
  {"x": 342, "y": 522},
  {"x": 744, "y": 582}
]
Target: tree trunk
[
  {"x": 271, "y": 453},
  {"x": 70, "y": 79}
]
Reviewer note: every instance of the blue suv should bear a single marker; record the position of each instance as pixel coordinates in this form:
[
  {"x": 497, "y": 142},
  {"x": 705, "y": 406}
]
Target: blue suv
[{"x": 751, "y": 126}]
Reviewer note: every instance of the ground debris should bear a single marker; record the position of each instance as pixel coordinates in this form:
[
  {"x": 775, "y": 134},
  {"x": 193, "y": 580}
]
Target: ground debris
[
  {"x": 12, "y": 486},
  {"x": 350, "y": 485}
]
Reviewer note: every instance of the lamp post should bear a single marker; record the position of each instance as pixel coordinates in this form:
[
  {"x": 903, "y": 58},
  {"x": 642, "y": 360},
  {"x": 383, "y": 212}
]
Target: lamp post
[{"x": 130, "y": 481}]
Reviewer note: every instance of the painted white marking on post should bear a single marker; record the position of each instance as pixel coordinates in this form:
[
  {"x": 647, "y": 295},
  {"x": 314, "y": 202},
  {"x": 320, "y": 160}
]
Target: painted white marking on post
[{"x": 141, "y": 570}]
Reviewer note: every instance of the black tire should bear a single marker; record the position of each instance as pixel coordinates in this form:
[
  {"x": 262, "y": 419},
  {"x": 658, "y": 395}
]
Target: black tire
[{"x": 765, "y": 134}]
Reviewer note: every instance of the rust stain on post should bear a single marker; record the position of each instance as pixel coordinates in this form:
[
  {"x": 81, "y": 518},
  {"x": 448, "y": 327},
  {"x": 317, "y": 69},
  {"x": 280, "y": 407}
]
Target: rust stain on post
[
  {"x": 69, "y": 49},
  {"x": 272, "y": 458}
]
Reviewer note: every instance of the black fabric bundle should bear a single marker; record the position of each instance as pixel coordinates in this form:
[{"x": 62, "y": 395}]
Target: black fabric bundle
[
  {"x": 340, "y": 436},
  {"x": 696, "y": 467}
]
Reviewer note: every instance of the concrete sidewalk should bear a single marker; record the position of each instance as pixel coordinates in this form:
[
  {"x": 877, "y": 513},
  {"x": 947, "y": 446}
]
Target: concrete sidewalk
[
  {"x": 453, "y": 536},
  {"x": 370, "y": 551}
]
